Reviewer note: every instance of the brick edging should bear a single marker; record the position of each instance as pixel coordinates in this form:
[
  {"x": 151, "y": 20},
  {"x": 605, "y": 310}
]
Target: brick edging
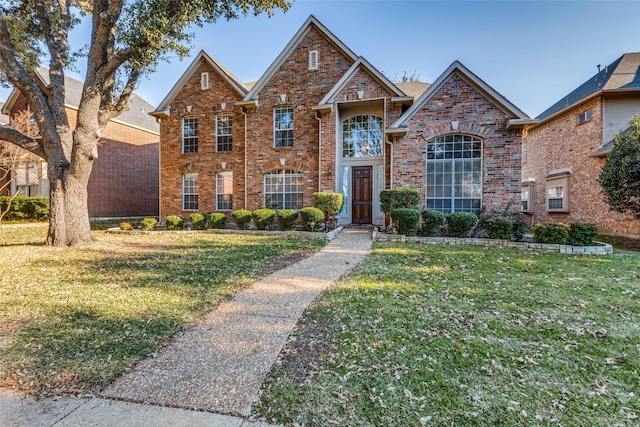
[{"x": 601, "y": 249}]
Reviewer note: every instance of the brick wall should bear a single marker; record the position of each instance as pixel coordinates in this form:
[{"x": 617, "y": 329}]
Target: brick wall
[
  {"x": 478, "y": 116},
  {"x": 563, "y": 143}
]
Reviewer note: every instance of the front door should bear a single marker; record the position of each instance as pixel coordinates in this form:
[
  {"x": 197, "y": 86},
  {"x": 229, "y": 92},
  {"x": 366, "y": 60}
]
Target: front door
[{"x": 362, "y": 194}]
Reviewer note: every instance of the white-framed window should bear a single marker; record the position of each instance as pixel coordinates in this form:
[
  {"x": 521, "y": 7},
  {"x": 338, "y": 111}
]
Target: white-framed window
[
  {"x": 526, "y": 197},
  {"x": 313, "y": 59},
  {"x": 524, "y": 150},
  {"x": 584, "y": 117},
  {"x": 204, "y": 81},
  {"x": 224, "y": 132},
  {"x": 283, "y": 126},
  {"x": 283, "y": 190},
  {"x": 558, "y": 193},
  {"x": 190, "y": 134},
  {"x": 362, "y": 136},
  {"x": 224, "y": 191},
  {"x": 454, "y": 173},
  {"x": 190, "y": 192}
]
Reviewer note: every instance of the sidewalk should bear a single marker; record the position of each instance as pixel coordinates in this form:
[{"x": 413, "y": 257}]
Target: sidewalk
[{"x": 218, "y": 365}]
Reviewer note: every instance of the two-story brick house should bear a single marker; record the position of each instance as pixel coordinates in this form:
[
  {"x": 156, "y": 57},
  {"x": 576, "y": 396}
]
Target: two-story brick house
[
  {"x": 565, "y": 149},
  {"x": 124, "y": 178},
  {"x": 322, "y": 118}
]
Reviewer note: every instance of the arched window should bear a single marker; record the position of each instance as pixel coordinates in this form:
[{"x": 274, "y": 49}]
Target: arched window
[
  {"x": 454, "y": 173},
  {"x": 362, "y": 136},
  {"x": 283, "y": 190}
]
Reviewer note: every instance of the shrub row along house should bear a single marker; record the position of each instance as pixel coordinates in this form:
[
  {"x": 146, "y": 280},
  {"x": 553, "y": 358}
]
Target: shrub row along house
[
  {"x": 322, "y": 118},
  {"x": 566, "y": 147},
  {"x": 124, "y": 179}
]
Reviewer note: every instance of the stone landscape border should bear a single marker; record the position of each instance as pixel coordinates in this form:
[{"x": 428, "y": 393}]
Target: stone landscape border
[
  {"x": 600, "y": 249},
  {"x": 289, "y": 233}
]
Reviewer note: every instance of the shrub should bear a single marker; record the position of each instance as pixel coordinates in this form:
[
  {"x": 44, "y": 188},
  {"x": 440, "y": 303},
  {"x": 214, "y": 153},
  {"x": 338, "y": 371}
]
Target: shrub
[
  {"x": 197, "y": 220},
  {"x": 460, "y": 224},
  {"x": 242, "y": 218},
  {"x": 551, "y": 233},
  {"x": 311, "y": 218},
  {"x": 174, "y": 222},
  {"x": 329, "y": 203},
  {"x": 407, "y": 220},
  {"x": 431, "y": 221},
  {"x": 581, "y": 234},
  {"x": 126, "y": 226},
  {"x": 286, "y": 218},
  {"x": 217, "y": 220},
  {"x": 148, "y": 224},
  {"x": 25, "y": 208},
  {"x": 399, "y": 198},
  {"x": 500, "y": 228},
  {"x": 263, "y": 218}
]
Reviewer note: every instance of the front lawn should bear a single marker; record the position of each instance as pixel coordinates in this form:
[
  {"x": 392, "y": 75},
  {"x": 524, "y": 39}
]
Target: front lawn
[
  {"x": 73, "y": 320},
  {"x": 453, "y": 336}
]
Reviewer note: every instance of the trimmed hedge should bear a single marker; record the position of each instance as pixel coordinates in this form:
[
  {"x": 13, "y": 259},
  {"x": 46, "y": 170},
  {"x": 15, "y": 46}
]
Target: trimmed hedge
[
  {"x": 311, "y": 218},
  {"x": 399, "y": 198},
  {"x": 174, "y": 222},
  {"x": 25, "y": 208},
  {"x": 286, "y": 218},
  {"x": 217, "y": 220},
  {"x": 148, "y": 224},
  {"x": 431, "y": 221},
  {"x": 242, "y": 218},
  {"x": 328, "y": 203},
  {"x": 198, "y": 221},
  {"x": 263, "y": 218},
  {"x": 460, "y": 224},
  {"x": 125, "y": 225},
  {"x": 551, "y": 233},
  {"x": 500, "y": 228},
  {"x": 407, "y": 220},
  {"x": 581, "y": 234}
]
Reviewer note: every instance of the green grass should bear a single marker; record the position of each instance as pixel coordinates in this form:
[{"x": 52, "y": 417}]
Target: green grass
[
  {"x": 73, "y": 320},
  {"x": 453, "y": 336}
]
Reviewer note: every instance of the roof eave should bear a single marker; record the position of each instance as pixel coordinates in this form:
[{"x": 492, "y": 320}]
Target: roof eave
[
  {"x": 251, "y": 103},
  {"x": 518, "y": 123},
  {"x": 161, "y": 114},
  {"x": 402, "y": 99},
  {"x": 399, "y": 131}
]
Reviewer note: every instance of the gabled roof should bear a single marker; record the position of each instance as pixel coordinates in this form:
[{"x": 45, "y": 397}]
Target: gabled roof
[
  {"x": 202, "y": 56},
  {"x": 293, "y": 43},
  {"x": 466, "y": 74},
  {"x": 413, "y": 88},
  {"x": 351, "y": 72},
  {"x": 621, "y": 76},
  {"x": 136, "y": 116}
]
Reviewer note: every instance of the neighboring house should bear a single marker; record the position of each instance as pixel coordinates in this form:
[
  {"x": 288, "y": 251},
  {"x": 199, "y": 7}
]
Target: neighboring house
[
  {"x": 564, "y": 151},
  {"x": 124, "y": 178},
  {"x": 322, "y": 118}
]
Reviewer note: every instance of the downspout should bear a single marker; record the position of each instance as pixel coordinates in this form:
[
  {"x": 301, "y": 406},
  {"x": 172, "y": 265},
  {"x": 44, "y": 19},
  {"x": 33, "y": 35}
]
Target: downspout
[
  {"x": 319, "y": 119},
  {"x": 244, "y": 113}
]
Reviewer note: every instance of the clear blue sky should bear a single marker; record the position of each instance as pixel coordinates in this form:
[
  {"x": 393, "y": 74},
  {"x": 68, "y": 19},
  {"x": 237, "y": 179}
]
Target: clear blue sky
[{"x": 532, "y": 52}]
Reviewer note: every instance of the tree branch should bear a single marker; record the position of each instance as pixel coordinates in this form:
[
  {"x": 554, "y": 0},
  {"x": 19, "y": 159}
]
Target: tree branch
[{"x": 23, "y": 141}]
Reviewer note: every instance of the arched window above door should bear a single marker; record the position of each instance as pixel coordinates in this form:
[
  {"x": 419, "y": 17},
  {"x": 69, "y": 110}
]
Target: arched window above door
[{"x": 362, "y": 136}]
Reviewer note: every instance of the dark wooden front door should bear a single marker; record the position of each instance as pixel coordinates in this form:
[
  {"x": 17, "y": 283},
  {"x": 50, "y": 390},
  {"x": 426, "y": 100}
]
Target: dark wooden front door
[{"x": 362, "y": 195}]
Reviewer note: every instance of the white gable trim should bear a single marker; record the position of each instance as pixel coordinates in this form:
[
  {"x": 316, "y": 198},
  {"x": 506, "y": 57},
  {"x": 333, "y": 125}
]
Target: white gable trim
[
  {"x": 456, "y": 67},
  {"x": 202, "y": 56},
  {"x": 293, "y": 43}
]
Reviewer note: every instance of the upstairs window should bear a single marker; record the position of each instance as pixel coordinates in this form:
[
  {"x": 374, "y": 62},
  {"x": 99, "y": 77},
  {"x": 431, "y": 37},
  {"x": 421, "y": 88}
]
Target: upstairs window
[
  {"x": 362, "y": 136},
  {"x": 190, "y": 192},
  {"x": 283, "y": 127},
  {"x": 190, "y": 134},
  {"x": 584, "y": 117},
  {"x": 224, "y": 132},
  {"x": 204, "y": 81},
  {"x": 313, "y": 59}
]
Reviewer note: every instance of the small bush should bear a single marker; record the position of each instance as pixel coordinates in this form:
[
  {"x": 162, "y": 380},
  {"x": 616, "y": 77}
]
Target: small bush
[
  {"x": 431, "y": 221},
  {"x": 198, "y": 221},
  {"x": 25, "y": 208},
  {"x": 551, "y": 233},
  {"x": 399, "y": 198},
  {"x": 263, "y": 218},
  {"x": 328, "y": 203},
  {"x": 406, "y": 220},
  {"x": 286, "y": 218},
  {"x": 126, "y": 226},
  {"x": 460, "y": 224},
  {"x": 311, "y": 218},
  {"x": 217, "y": 220},
  {"x": 242, "y": 218},
  {"x": 174, "y": 222},
  {"x": 148, "y": 224},
  {"x": 500, "y": 228},
  {"x": 581, "y": 234}
]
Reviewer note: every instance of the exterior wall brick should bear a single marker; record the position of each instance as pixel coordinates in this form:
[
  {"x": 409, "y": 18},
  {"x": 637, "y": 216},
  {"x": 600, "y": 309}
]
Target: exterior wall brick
[
  {"x": 477, "y": 116},
  {"x": 563, "y": 143}
]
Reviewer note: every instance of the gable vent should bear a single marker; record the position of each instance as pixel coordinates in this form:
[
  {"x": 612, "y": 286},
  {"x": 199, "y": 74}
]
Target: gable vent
[{"x": 313, "y": 59}]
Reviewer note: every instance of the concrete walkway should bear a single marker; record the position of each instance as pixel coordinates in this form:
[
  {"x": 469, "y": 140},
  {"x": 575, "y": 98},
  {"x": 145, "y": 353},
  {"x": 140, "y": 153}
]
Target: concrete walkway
[{"x": 216, "y": 366}]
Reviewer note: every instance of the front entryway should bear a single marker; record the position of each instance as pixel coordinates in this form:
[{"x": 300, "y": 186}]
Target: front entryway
[{"x": 362, "y": 195}]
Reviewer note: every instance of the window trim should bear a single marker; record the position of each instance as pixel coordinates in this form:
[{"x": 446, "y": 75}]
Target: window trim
[
  {"x": 530, "y": 187},
  {"x": 219, "y": 176},
  {"x": 230, "y": 134},
  {"x": 560, "y": 180},
  {"x": 193, "y": 176},
  {"x": 313, "y": 59},
  {"x": 277, "y": 132},
  {"x": 194, "y": 139},
  {"x": 285, "y": 173},
  {"x": 355, "y": 149},
  {"x": 204, "y": 81},
  {"x": 585, "y": 117}
]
